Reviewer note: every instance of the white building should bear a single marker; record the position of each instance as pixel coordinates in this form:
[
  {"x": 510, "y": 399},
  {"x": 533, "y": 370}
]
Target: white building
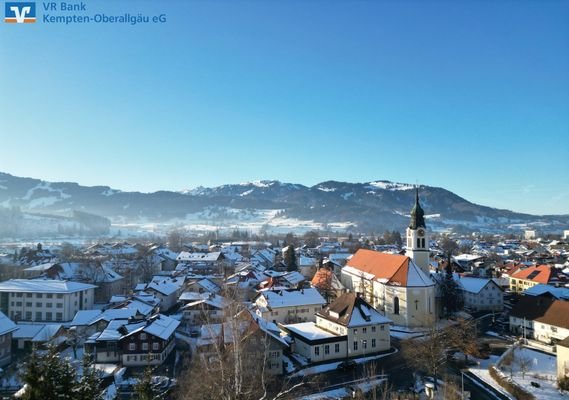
[
  {"x": 540, "y": 318},
  {"x": 44, "y": 300},
  {"x": 349, "y": 327},
  {"x": 286, "y": 306},
  {"x": 480, "y": 294}
]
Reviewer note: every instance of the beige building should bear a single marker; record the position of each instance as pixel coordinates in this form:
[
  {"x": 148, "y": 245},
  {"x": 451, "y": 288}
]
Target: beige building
[
  {"x": 563, "y": 358},
  {"x": 44, "y": 300},
  {"x": 349, "y": 327}
]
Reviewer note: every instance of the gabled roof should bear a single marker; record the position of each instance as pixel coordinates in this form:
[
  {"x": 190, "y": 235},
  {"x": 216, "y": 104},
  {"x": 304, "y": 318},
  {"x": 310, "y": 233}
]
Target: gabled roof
[
  {"x": 292, "y": 298},
  {"x": 393, "y": 269},
  {"x": 540, "y": 274},
  {"x": 325, "y": 279},
  {"x": 544, "y": 310},
  {"x": 352, "y": 311},
  {"x": 6, "y": 324}
]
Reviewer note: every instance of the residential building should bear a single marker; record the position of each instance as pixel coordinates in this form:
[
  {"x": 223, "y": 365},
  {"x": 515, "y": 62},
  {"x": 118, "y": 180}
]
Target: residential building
[
  {"x": 44, "y": 300},
  {"x": 349, "y": 327},
  {"x": 542, "y": 319},
  {"x": 7, "y": 327},
  {"x": 563, "y": 358},
  {"x": 480, "y": 294},
  {"x": 525, "y": 278},
  {"x": 288, "y": 305}
]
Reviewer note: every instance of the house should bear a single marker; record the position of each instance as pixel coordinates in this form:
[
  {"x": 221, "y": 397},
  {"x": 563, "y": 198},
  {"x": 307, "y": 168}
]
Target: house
[
  {"x": 203, "y": 285},
  {"x": 480, "y": 294},
  {"x": 349, "y": 327},
  {"x": 288, "y": 305},
  {"x": 106, "y": 280},
  {"x": 558, "y": 293},
  {"x": 327, "y": 283},
  {"x": 166, "y": 289},
  {"x": 7, "y": 327},
  {"x": 209, "y": 308},
  {"x": 40, "y": 300},
  {"x": 563, "y": 359},
  {"x": 542, "y": 319},
  {"x": 204, "y": 262},
  {"x": 151, "y": 343},
  {"x": 139, "y": 343},
  {"x": 29, "y": 335},
  {"x": 525, "y": 278},
  {"x": 393, "y": 284}
]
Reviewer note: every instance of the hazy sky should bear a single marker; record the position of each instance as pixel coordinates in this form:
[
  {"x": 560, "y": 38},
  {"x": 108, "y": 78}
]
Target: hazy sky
[{"x": 472, "y": 96}]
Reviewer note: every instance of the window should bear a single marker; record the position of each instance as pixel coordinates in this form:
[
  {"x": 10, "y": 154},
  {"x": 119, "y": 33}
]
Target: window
[
  {"x": 355, "y": 345},
  {"x": 156, "y": 346},
  {"x": 382, "y": 327},
  {"x": 38, "y": 315},
  {"x": 49, "y": 305},
  {"x": 317, "y": 350},
  {"x": 18, "y": 304},
  {"x": 418, "y": 242},
  {"x": 39, "y": 295},
  {"x": 364, "y": 344},
  {"x": 60, "y": 296},
  {"x": 132, "y": 346},
  {"x": 372, "y": 342},
  {"x": 327, "y": 349},
  {"x": 423, "y": 243},
  {"x": 28, "y": 304},
  {"x": 355, "y": 331},
  {"x": 145, "y": 346},
  {"x": 28, "y": 295},
  {"x": 18, "y": 294},
  {"x": 373, "y": 328},
  {"x": 364, "y": 330},
  {"x": 49, "y": 295},
  {"x": 396, "y": 305},
  {"x": 48, "y": 316},
  {"x": 28, "y": 315},
  {"x": 59, "y": 305},
  {"x": 143, "y": 336},
  {"x": 38, "y": 305},
  {"x": 337, "y": 348},
  {"x": 59, "y": 316}
]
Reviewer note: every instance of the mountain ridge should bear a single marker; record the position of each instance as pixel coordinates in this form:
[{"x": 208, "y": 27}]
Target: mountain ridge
[{"x": 360, "y": 206}]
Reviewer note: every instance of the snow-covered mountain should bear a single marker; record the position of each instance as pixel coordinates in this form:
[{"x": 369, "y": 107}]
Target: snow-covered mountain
[{"x": 362, "y": 207}]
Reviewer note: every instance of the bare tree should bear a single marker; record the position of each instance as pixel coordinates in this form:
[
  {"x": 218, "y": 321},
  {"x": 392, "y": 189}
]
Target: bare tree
[
  {"x": 428, "y": 353},
  {"x": 524, "y": 364}
]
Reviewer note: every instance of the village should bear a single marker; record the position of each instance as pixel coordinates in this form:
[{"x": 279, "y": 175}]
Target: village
[{"x": 303, "y": 317}]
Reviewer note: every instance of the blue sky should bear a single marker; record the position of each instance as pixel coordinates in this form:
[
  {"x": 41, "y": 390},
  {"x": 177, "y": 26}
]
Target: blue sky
[{"x": 472, "y": 96}]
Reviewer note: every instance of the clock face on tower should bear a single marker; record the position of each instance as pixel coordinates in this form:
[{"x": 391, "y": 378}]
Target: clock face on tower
[{"x": 421, "y": 232}]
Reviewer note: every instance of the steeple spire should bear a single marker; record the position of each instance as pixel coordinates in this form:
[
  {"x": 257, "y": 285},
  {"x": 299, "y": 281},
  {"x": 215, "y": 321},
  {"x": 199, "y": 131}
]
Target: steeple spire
[{"x": 417, "y": 213}]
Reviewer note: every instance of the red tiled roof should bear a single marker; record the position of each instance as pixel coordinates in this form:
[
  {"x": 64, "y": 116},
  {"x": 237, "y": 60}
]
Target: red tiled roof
[
  {"x": 540, "y": 274},
  {"x": 392, "y": 267}
]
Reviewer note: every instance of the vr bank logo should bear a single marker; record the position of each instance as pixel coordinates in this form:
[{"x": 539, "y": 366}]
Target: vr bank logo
[{"x": 20, "y": 13}]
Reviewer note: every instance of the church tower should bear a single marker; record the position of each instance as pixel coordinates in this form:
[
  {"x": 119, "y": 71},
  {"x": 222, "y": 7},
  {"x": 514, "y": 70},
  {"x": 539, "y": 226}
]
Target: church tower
[{"x": 417, "y": 237}]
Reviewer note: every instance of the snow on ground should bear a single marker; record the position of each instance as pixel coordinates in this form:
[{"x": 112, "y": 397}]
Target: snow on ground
[
  {"x": 542, "y": 370},
  {"x": 481, "y": 372},
  {"x": 347, "y": 391}
]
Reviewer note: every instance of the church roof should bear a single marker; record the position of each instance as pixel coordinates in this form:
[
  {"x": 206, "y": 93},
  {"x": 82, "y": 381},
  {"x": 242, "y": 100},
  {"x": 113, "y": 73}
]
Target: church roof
[
  {"x": 388, "y": 268},
  {"x": 417, "y": 214}
]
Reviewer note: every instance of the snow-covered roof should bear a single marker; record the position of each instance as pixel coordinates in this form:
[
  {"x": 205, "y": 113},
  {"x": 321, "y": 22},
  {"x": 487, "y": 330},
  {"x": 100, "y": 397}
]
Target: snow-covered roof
[
  {"x": 165, "y": 287},
  {"x": 309, "y": 331},
  {"x": 36, "y": 332},
  {"x": 540, "y": 289},
  {"x": 162, "y": 327},
  {"x": 43, "y": 286},
  {"x": 85, "y": 317},
  {"x": 471, "y": 284},
  {"x": 6, "y": 324},
  {"x": 186, "y": 256},
  {"x": 292, "y": 298}
]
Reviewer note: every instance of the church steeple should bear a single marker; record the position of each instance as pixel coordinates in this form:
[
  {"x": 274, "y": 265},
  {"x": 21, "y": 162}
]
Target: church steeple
[
  {"x": 417, "y": 213},
  {"x": 418, "y": 237}
]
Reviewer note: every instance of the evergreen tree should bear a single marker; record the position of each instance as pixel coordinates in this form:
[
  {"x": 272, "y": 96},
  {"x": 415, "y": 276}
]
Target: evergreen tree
[
  {"x": 88, "y": 387},
  {"x": 290, "y": 259},
  {"x": 144, "y": 389},
  {"x": 452, "y": 301}
]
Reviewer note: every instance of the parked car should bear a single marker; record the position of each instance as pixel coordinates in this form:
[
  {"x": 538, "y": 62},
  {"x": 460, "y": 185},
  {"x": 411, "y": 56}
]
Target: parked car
[{"x": 346, "y": 365}]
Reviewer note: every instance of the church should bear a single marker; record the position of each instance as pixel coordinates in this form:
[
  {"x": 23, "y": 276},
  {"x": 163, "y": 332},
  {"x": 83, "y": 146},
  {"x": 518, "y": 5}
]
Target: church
[{"x": 399, "y": 286}]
